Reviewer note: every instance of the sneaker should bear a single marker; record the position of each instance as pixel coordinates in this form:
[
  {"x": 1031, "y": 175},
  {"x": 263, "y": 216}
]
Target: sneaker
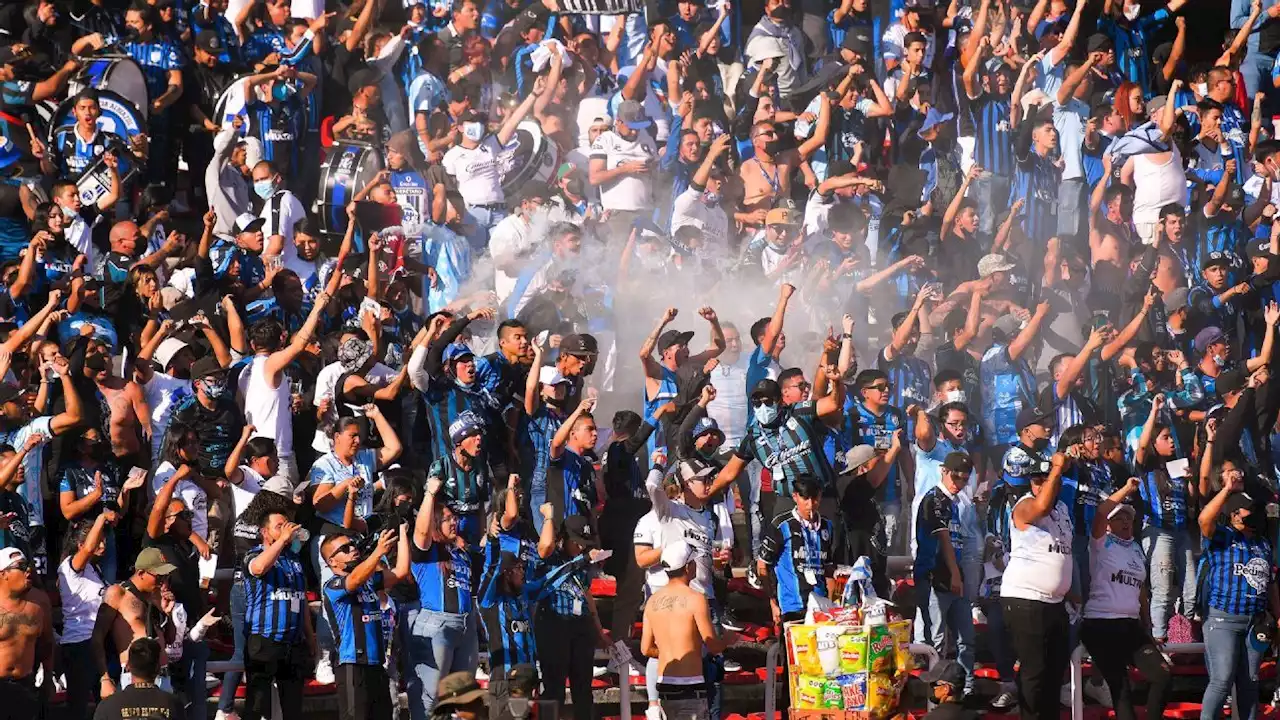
[
  {"x": 324, "y": 669},
  {"x": 599, "y": 671},
  {"x": 979, "y": 617},
  {"x": 732, "y": 665},
  {"x": 729, "y": 621},
  {"x": 1099, "y": 692},
  {"x": 753, "y": 579},
  {"x": 654, "y": 712},
  {"x": 1006, "y": 700},
  {"x": 481, "y": 675}
]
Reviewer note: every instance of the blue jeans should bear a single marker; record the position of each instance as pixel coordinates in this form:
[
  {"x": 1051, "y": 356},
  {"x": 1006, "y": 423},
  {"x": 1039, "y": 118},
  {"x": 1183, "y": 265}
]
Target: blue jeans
[
  {"x": 195, "y": 657},
  {"x": 482, "y": 220},
  {"x": 938, "y": 612},
  {"x": 231, "y": 680},
  {"x": 749, "y": 488},
  {"x": 324, "y": 633},
  {"x": 1171, "y": 566},
  {"x": 991, "y": 192},
  {"x": 436, "y": 644},
  {"x": 1232, "y": 658}
]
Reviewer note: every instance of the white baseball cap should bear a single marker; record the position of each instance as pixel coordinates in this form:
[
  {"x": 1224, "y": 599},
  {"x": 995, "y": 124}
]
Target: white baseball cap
[
  {"x": 676, "y": 555},
  {"x": 9, "y": 557},
  {"x": 167, "y": 349}
]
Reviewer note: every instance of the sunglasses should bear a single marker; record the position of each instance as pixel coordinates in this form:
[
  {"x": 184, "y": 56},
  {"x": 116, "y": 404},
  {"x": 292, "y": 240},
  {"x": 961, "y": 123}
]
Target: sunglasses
[
  {"x": 183, "y": 515},
  {"x": 757, "y": 402},
  {"x": 345, "y": 547},
  {"x": 21, "y": 565},
  {"x": 880, "y": 388}
]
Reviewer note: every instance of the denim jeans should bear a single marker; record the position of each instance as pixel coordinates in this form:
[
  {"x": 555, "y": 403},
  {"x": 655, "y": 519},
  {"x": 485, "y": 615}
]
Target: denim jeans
[
  {"x": 1232, "y": 658},
  {"x": 436, "y": 644},
  {"x": 991, "y": 192},
  {"x": 892, "y": 512},
  {"x": 749, "y": 488},
  {"x": 324, "y": 633},
  {"x": 482, "y": 220},
  {"x": 1171, "y": 566},
  {"x": 939, "y": 613},
  {"x": 231, "y": 680},
  {"x": 195, "y": 657}
]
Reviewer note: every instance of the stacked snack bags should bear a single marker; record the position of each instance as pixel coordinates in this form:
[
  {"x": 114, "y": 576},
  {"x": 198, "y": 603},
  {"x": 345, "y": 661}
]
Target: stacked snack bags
[{"x": 851, "y": 658}]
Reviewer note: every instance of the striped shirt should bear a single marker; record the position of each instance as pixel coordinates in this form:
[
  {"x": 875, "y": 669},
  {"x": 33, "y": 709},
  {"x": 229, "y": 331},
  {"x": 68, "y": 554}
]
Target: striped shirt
[
  {"x": 937, "y": 512},
  {"x": 568, "y": 596},
  {"x": 535, "y": 444},
  {"x": 356, "y": 617},
  {"x": 508, "y": 619},
  {"x": 909, "y": 378},
  {"x": 791, "y": 448},
  {"x": 446, "y": 577},
  {"x": 274, "y": 603},
  {"x": 1035, "y": 182},
  {"x": 799, "y": 553},
  {"x": 465, "y": 490},
  {"x": 1237, "y": 571},
  {"x": 571, "y": 487},
  {"x": 877, "y": 431},
  {"x": 993, "y": 146},
  {"x": 1132, "y": 57},
  {"x": 1165, "y": 508},
  {"x": 278, "y": 126}
]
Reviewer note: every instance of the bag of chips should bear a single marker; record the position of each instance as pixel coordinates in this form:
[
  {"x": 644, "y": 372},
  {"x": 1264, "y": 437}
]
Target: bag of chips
[
  {"x": 832, "y": 695},
  {"x": 804, "y": 649},
  {"x": 854, "y": 689},
  {"x": 901, "y": 631},
  {"x": 882, "y": 695},
  {"x": 880, "y": 649},
  {"x": 853, "y": 652},
  {"x": 809, "y": 692}
]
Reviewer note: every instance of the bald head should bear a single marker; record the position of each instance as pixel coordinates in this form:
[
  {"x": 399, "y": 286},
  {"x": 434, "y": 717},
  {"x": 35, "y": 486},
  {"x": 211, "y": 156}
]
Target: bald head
[{"x": 125, "y": 238}]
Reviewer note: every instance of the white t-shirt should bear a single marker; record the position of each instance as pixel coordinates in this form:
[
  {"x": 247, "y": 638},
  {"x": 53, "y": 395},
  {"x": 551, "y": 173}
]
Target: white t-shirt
[
  {"x": 1040, "y": 561},
  {"x": 266, "y": 408},
  {"x": 675, "y": 521},
  {"x": 281, "y": 213},
  {"x": 511, "y": 237},
  {"x": 327, "y": 383},
  {"x": 81, "y": 594},
  {"x": 1118, "y": 569},
  {"x": 251, "y": 483},
  {"x": 33, "y": 466},
  {"x": 163, "y": 393},
  {"x": 189, "y": 493},
  {"x": 688, "y": 209},
  {"x": 729, "y": 409},
  {"x": 478, "y": 171},
  {"x": 630, "y": 192}
]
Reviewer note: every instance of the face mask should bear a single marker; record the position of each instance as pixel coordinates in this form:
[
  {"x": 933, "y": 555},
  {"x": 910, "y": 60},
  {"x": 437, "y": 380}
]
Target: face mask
[
  {"x": 954, "y": 396},
  {"x": 264, "y": 188},
  {"x": 1201, "y": 89},
  {"x": 1219, "y": 361},
  {"x": 773, "y": 147},
  {"x": 404, "y": 511},
  {"x": 710, "y": 199},
  {"x": 68, "y": 213},
  {"x": 1039, "y": 444},
  {"x": 99, "y": 451},
  {"x": 96, "y": 363},
  {"x": 473, "y": 131},
  {"x": 213, "y": 390},
  {"x": 778, "y": 13},
  {"x": 765, "y": 414},
  {"x": 1131, "y": 12},
  {"x": 350, "y": 565}
]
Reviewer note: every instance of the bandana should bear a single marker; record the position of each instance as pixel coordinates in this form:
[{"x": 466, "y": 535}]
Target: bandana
[{"x": 354, "y": 353}]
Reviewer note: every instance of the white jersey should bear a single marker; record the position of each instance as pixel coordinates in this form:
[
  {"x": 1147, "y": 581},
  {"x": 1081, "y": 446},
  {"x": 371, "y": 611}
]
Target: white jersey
[
  {"x": 1040, "y": 561},
  {"x": 1118, "y": 569},
  {"x": 81, "y": 594},
  {"x": 267, "y": 408},
  {"x": 670, "y": 521}
]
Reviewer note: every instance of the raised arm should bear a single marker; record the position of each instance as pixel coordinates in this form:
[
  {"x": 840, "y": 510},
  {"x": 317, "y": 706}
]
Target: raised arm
[
  {"x": 1208, "y": 518},
  {"x": 279, "y": 360},
  {"x": 1148, "y": 431},
  {"x": 424, "y": 524},
  {"x": 1099, "y": 529},
  {"x": 566, "y": 429},
  {"x": 1076, "y": 366},
  {"x": 1027, "y": 337},
  {"x": 652, "y": 369},
  {"x": 1026, "y": 514},
  {"x": 1060, "y": 51}
]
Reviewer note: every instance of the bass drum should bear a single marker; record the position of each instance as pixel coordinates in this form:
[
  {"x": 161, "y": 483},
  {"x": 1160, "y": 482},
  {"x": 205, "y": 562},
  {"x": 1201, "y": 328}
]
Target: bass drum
[
  {"x": 117, "y": 73},
  {"x": 347, "y": 168},
  {"x": 119, "y": 117},
  {"x": 529, "y": 157}
]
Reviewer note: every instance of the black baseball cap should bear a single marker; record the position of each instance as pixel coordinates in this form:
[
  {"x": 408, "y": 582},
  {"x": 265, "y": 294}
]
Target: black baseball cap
[
  {"x": 205, "y": 367},
  {"x": 580, "y": 344},
  {"x": 579, "y": 530},
  {"x": 208, "y": 41},
  {"x": 767, "y": 388},
  {"x": 1237, "y": 501},
  {"x": 673, "y": 337},
  {"x": 1230, "y": 381},
  {"x": 947, "y": 671},
  {"x": 1032, "y": 415},
  {"x": 958, "y": 462}
]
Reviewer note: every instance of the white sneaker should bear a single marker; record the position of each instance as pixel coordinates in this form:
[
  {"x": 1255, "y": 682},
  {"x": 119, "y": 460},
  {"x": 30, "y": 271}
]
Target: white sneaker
[
  {"x": 324, "y": 669},
  {"x": 481, "y": 675},
  {"x": 1064, "y": 695},
  {"x": 1006, "y": 700},
  {"x": 210, "y": 681},
  {"x": 1099, "y": 692},
  {"x": 753, "y": 579},
  {"x": 654, "y": 712},
  {"x": 226, "y": 715},
  {"x": 979, "y": 617},
  {"x": 731, "y": 666},
  {"x": 599, "y": 671}
]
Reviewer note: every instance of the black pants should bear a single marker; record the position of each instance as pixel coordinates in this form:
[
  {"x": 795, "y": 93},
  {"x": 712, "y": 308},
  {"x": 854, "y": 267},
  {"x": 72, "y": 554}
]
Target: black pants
[
  {"x": 267, "y": 661},
  {"x": 626, "y": 602},
  {"x": 1115, "y": 645},
  {"x": 19, "y": 699},
  {"x": 1039, "y": 632},
  {"x": 364, "y": 692},
  {"x": 566, "y": 647}
]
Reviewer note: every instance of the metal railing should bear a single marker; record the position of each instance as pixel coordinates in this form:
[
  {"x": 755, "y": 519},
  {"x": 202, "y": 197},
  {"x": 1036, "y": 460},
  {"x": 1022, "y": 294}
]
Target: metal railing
[{"x": 1077, "y": 675}]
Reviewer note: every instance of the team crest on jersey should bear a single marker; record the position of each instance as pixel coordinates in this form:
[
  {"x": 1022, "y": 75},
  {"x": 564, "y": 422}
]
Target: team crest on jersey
[{"x": 1256, "y": 572}]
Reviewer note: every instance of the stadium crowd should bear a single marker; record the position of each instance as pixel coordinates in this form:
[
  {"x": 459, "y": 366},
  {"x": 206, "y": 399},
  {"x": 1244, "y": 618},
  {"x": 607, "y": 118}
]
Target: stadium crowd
[{"x": 362, "y": 338}]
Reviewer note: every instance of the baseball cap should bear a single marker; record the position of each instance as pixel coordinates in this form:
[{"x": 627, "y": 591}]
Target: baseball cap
[
  {"x": 1206, "y": 337},
  {"x": 767, "y": 388},
  {"x": 10, "y": 557},
  {"x": 994, "y": 263},
  {"x": 859, "y": 41},
  {"x": 1229, "y": 382},
  {"x": 457, "y": 351},
  {"x": 459, "y": 688},
  {"x": 279, "y": 485},
  {"x": 152, "y": 560},
  {"x": 579, "y": 530},
  {"x": 1259, "y": 247},
  {"x": 1098, "y": 42},
  {"x": 551, "y": 375},
  {"x": 707, "y": 425},
  {"x": 1176, "y": 299},
  {"x": 1237, "y": 501},
  {"x": 579, "y": 344},
  {"x": 632, "y": 113},
  {"x": 782, "y": 216},
  {"x": 932, "y": 119},
  {"x": 676, "y": 555},
  {"x": 466, "y": 425},
  {"x": 694, "y": 468},
  {"x": 402, "y": 142},
  {"x": 1032, "y": 415},
  {"x": 673, "y": 337},
  {"x": 167, "y": 349},
  {"x": 208, "y": 41},
  {"x": 363, "y": 78},
  {"x": 522, "y": 679},
  {"x": 858, "y": 456},
  {"x": 247, "y": 222},
  {"x": 205, "y": 367},
  {"x": 1216, "y": 257},
  {"x": 958, "y": 462},
  {"x": 947, "y": 671},
  {"x": 1007, "y": 324}
]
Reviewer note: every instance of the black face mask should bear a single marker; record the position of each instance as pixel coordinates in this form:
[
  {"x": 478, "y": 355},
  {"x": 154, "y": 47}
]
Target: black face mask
[
  {"x": 98, "y": 451},
  {"x": 773, "y": 147},
  {"x": 404, "y": 511},
  {"x": 1039, "y": 444},
  {"x": 96, "y": 363},
  {"x": 778, "y": 13}
]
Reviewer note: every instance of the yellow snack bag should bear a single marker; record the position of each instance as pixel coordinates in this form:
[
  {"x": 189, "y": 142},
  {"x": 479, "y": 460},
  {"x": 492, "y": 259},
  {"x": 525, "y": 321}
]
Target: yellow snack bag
[
  {"x": 901, "y": 631},
  {"x": 809, "y": 692},
  {"x": 882, "y": 695},
  {"x": 804, "y": 649},
  {"x": 880, "y": 649},
  {"x": 853, "y": 652}
]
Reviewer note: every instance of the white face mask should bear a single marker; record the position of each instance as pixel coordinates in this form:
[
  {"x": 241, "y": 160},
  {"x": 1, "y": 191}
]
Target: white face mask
[
  {"x": 473, "y": 131},
  {"x": 954, "y": 396},
  {"x": 1201, "y": 89},
  {"x": 68, "y": 213},
  {"x": 1131, "y": 12}
]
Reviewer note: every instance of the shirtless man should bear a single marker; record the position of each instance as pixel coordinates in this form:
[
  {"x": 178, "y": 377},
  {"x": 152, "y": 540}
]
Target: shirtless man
[
  {"x": 130, "y": 421},
  {"x": 766, "y": 177},
  {"x": 677, "y": 626},
  {"x": 133, "y": 609},
  {"x": 26, "y": 635}
]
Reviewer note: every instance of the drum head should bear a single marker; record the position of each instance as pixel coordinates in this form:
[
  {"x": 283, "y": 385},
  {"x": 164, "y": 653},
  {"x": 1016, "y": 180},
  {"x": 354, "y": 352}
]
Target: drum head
[
  {"x": 348, "y": 167},
  {"x": 117, "y": 73},
  {"x": 119, "y": 115},
  {"x": 529, "y": 157}
]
